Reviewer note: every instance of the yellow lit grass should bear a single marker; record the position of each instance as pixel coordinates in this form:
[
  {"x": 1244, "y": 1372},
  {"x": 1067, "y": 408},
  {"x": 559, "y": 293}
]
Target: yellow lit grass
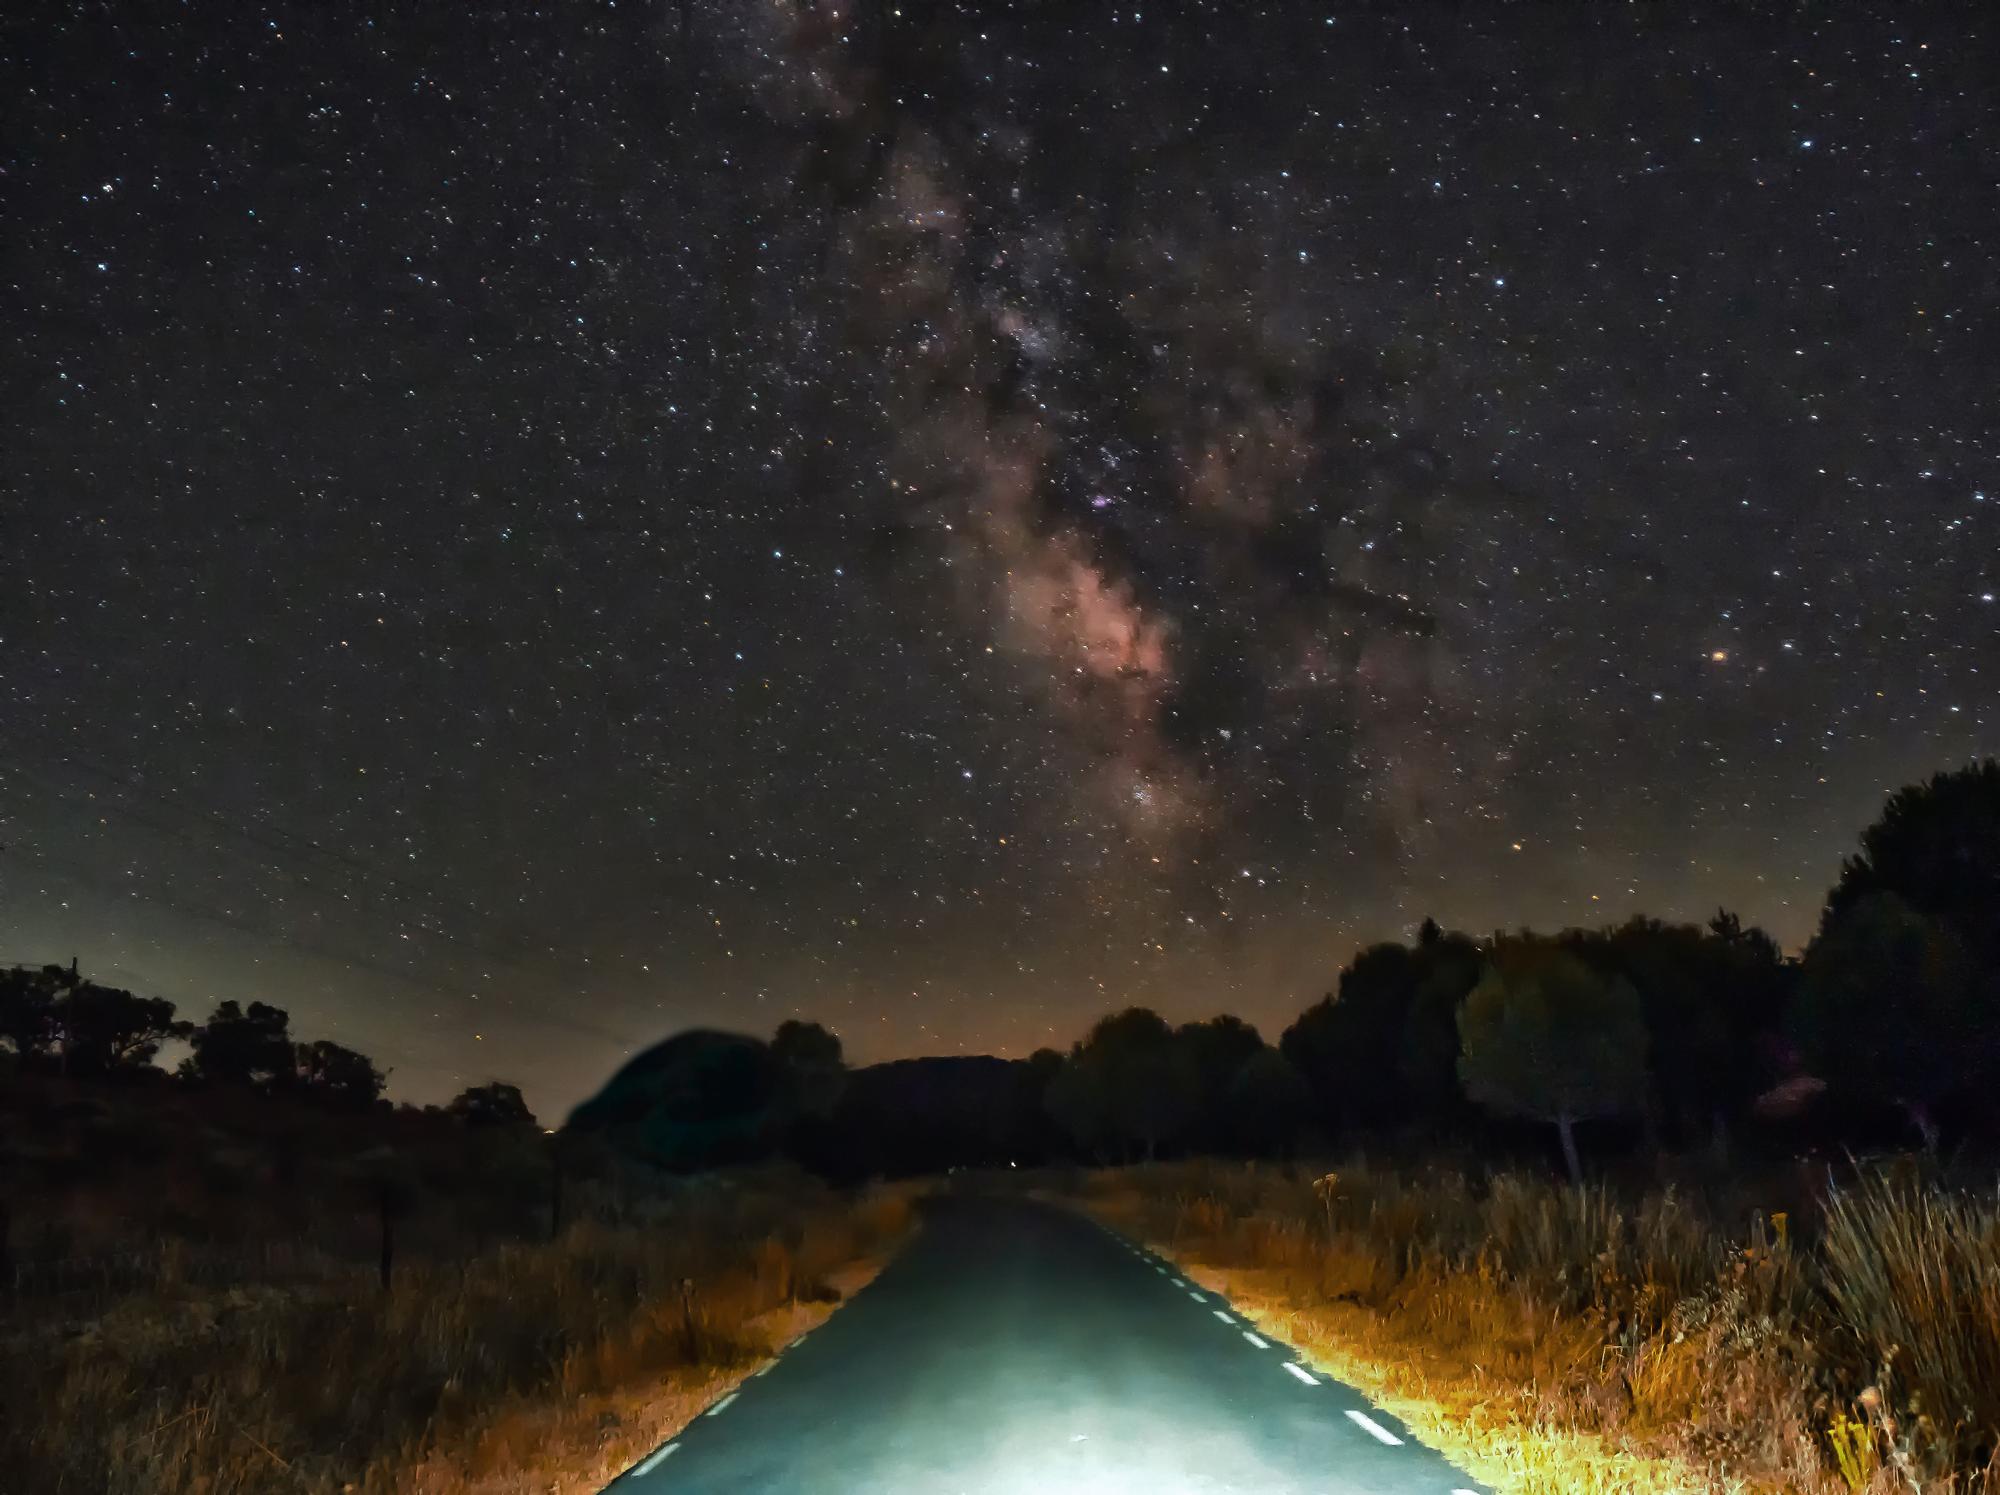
[
  {"x": 1576, "y": 1384},
  {"x": 610, "y": 1414},
  {"x": 1469, "y": 1373}
]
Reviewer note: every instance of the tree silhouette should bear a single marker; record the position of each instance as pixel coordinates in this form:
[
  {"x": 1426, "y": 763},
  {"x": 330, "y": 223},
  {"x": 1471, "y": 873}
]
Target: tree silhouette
[
  {"x": 338, "y": 1076},
  {"x": 1546, "y": 1037},
  {"x": 1268, "y": 1103},
  {"x": 1448, "y": 967},
  {"x": 810, "y": 1066},
  {"x": 27, "y": 1011},
  {"x": 1936, "y": 846},
  {"x": 105, "y": 1031},
  {"x": 1349, "y": 1045},
  {"x": 238, "y": 1047},
  {"x": 1754, "y": 983},
  {"x": 1215, "y": 1050},
  {"x": 1711, "y": 999},
  {"x": 1127, "y": 1086},
  {"x": 1383, "y": 1050},
  {"x": 493, "y": 1104},
  {"x": 1888, "y": 1007}
]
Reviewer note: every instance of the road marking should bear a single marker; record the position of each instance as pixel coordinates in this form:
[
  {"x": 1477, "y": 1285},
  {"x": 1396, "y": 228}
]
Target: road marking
[
  {"x": 1374, "y": 1429},
  {"x": 1180, "y": 1282},
  {"x": 765, "y": 1369},
  {"x": 1299, "y": 1373},
  {"x": 1198, "y": 1297},
  {"x": 1224, "y": 1316},
  {"x": 712, "y": 1411},
  {"x": 1265, "y": 1344},
  {"x": 654, "y": 1459}
]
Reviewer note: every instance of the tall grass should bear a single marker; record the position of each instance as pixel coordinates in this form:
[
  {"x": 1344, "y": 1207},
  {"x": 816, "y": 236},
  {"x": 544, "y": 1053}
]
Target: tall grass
[
  {"x": 339, "y": 1385},
  {"x": 1913, "y": 1275},
  {"x": 1854, "y": 1351}
]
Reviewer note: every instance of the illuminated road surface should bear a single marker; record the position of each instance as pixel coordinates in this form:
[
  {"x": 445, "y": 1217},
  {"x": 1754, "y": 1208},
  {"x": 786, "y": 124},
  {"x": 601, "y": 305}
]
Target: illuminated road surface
[{"x": 1013, "y": 1349}]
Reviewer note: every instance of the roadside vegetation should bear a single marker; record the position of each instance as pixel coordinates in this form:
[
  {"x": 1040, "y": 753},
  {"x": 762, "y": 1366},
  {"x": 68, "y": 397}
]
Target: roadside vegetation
[
  {"x": 1612, "y": 1234},
  {"x": 1607, "y": 1338},
  {"x": 225, "y": 1288},
  {"x": 1652, "y": 1207}
]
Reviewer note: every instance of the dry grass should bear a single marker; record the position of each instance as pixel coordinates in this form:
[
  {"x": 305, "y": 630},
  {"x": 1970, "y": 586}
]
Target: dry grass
[
  {"x": 546, "y": 1366},
  {"x": 1561, "y": 1340}
]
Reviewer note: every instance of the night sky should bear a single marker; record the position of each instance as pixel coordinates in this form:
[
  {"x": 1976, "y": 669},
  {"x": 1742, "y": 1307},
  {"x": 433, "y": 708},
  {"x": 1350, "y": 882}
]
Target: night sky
[{"x": 525, "y": 530}]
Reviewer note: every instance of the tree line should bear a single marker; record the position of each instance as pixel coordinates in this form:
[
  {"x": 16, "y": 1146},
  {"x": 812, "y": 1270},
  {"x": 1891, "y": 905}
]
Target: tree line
[
  {"x": 58, "y": 1022},
  {"x": 1887, "y": 1022},
  {"x": 1680, "y": 1031}
]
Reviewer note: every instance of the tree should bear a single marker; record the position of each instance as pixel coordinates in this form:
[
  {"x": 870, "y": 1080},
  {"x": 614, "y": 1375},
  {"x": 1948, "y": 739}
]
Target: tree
[
  {"x": 1888, "y": 1007},
  {"x": 810, "y": 1065},
  {"x": 493, "y": 1104},
  {"x": 338, "y": 1076},
  {"x": 1711, "y": 999},
  {"x": 1127, "y": 1086},
  {"x": 1936, "y": 846},
  {"x": 1755, "y": 983},
  {"x": 1215, "y": 1049},
  {"x": 235, "y": 1047},
  {"x": 1448, "y": 966},
  {"x": 27, "y": 1011},
  {"x": 105, "y": 1031},
  {"x": 1268, "y": 1103},
  {"x": 1544, "y": 1036},
  {"x": 1383, "y": 1049},
  {"x": 1349, "y": 1045}
]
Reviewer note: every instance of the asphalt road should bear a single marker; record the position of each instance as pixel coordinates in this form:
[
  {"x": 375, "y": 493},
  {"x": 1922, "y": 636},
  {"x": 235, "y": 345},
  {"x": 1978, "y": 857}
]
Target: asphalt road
[{"x": 1016, "y": 1349}]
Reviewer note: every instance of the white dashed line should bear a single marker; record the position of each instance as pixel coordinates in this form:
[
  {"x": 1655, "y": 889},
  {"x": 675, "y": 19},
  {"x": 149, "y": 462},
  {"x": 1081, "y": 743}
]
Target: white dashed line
[
  {"x": 1198, "y": 1297},
  {"x": 765, "y": 1369},
  {"x": 654, "y": 1459},
  {"x": 1264, "y": 1344},
  {"x": 712, "y": 1411},
  {"x": 1300, "y": 1373},
  {"x": 1374, "y": 1429},
  {"x": 1225, "y": 1317},
  {"x": 1180, "y": 1282}
]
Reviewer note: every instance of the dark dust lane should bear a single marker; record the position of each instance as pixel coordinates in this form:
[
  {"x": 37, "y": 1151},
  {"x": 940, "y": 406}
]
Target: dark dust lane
[{"x": 1016, "y": 1349}]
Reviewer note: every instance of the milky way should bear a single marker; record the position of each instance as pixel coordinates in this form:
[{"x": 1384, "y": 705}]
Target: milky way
[
  {"x": 526, "y": 532},
  {"x": 1206, "y": 524}
]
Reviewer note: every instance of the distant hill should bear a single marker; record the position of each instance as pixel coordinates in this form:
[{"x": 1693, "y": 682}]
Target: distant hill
[
  {"x": 700, "y": 1099},
  {"x": 926, "y": 1115},
  {"x": 704, "y": 1099}
]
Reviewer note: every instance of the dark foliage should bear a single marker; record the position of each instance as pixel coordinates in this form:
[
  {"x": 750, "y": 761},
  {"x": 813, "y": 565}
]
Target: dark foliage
[
  {"x": 1936, "y": 846},
  {"x": 239, "y": 1047},
  {"x": 1382, "y": 1051},
  {"x": 495, "y": 1104},
  {"x": 337, "y": 1076}
]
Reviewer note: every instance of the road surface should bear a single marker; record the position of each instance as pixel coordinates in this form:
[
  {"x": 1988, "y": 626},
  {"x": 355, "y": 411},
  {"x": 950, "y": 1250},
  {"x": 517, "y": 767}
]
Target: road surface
[{"x": 1016, "y": 1349}]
